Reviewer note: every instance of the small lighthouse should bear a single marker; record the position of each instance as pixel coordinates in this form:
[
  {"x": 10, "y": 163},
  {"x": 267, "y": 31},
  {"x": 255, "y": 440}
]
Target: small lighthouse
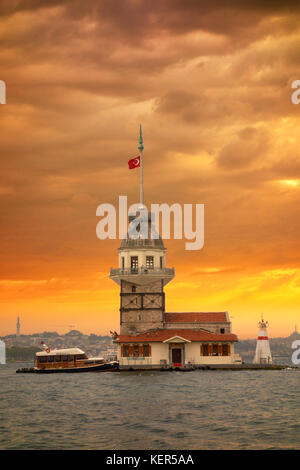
[{"x": 263, "y": 351}]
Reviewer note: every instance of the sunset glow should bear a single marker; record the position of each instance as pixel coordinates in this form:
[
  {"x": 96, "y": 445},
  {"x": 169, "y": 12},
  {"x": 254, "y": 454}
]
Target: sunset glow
[{"x": 213, "y": 91}]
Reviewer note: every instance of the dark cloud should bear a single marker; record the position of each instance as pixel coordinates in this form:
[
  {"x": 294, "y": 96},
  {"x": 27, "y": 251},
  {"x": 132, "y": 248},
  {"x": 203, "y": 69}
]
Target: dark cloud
[
  {"x": 10, "y": 7},
  {"x": 249, "y": 146},
  {"x": 138, "y": 19}
]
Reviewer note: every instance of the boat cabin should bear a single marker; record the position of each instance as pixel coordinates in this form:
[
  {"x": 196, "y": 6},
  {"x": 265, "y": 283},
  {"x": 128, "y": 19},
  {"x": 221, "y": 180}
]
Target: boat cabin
[{"x": 61, "y": 358}]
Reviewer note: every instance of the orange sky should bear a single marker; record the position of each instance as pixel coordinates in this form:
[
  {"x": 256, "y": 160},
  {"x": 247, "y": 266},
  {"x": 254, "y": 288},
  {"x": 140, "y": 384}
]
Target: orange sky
[{"x": 211, "y": 83}]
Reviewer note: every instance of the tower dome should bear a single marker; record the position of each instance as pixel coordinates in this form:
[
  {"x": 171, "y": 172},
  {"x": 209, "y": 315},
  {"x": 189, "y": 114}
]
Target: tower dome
[{"x": 154, "y": 242}]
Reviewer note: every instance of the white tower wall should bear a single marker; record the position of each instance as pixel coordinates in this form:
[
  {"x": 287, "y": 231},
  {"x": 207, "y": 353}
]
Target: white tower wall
[{"x": 263, "y": 352}]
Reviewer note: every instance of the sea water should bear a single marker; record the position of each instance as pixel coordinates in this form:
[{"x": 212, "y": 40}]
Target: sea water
[{"x": 150, "y": 410}]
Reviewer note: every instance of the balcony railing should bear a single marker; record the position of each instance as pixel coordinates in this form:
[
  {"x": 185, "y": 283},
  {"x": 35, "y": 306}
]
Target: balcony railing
[{"x": 142, "y": 270}]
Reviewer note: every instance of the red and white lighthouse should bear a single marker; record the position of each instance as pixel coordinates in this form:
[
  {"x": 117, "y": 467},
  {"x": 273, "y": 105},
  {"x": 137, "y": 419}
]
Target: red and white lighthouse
[{"x": 263, "y": 352}]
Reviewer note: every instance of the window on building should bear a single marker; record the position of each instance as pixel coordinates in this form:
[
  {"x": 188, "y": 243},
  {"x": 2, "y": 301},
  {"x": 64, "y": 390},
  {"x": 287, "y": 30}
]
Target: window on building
[
  {"x": 225, "y": 349},
  {"x": 133, "y": 289},
  {"x": 215, "y": 350},
  {"x": 222, "y": 331},
  {"x": 134, "y": 263},
  {"x": 123, "y": 262},
  {"x": 161, "y": 262},
  {"x": 146, "y": 350},
  {"x": 136, "y": 350},
  {"x": 125, "y": 350},
  {"x": 149, "y": 262},
  {"x": 205, "y": 349}
]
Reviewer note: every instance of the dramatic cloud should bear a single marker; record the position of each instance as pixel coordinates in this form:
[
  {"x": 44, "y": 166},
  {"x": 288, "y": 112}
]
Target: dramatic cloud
[{"x": 211, "y": 82}]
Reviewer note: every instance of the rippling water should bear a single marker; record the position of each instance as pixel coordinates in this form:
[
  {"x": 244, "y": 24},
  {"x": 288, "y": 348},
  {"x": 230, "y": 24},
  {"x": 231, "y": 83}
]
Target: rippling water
[{"x": 150, "y": 410}]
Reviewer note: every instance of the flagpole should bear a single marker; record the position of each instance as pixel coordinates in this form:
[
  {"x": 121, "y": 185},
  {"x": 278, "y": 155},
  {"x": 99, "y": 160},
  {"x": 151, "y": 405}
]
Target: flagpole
[{"x": 141, "y": 148}]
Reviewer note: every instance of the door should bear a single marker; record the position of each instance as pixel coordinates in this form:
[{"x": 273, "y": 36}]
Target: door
[{"x": 176, "y": 356}]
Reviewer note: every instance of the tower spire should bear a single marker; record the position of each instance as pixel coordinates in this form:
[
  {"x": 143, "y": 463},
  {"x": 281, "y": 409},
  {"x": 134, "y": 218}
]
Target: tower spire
[{"x": 141, "y": 148}]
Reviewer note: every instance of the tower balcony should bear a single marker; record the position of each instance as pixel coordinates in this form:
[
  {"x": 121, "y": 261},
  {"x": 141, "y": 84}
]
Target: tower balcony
[{"x": 142, "y": 275}]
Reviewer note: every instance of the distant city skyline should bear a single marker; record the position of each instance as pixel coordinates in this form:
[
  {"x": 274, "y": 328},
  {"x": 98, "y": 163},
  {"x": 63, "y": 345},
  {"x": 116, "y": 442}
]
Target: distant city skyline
[{"x": 65, "y": 330}]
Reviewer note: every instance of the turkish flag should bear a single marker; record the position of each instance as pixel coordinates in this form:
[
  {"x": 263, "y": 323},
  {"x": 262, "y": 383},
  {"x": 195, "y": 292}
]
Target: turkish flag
[{"x": 134, "y": 162}]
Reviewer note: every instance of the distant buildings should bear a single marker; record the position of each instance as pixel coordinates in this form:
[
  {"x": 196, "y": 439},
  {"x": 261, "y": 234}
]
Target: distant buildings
[{"x": 92, "y": 344}]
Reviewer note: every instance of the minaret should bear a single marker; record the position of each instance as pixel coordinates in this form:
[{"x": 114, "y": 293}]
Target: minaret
[
  {"x": 263, "y": 351},
  {"x": 18, "y": 326},
  {"x": 142, "y": 275}
]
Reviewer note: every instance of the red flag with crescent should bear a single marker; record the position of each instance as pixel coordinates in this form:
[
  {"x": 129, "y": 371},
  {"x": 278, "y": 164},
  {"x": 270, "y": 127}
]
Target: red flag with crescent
[{"x": 134, "y": 162}]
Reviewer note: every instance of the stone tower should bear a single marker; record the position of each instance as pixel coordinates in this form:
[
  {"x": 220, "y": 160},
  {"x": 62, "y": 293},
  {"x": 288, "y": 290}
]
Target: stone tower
[
  {"x": 142, "y": 272},
  {"x": 142, "y": 275}
]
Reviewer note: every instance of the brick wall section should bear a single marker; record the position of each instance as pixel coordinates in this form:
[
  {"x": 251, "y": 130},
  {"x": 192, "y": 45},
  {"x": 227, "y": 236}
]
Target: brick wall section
[
  {"x": 138, "y": 320},
  {"x": 154, "y": 287}
]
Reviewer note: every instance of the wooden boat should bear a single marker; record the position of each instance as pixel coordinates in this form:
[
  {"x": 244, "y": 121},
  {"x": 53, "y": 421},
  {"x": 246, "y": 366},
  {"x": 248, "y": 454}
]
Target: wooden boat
[{"x": 70, "y": 360}]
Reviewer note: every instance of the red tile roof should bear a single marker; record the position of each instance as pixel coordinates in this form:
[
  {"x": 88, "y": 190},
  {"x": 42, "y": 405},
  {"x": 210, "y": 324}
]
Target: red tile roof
[
  {"x": 197, "y": 317},
  {"x": 160, "y": 335}
]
